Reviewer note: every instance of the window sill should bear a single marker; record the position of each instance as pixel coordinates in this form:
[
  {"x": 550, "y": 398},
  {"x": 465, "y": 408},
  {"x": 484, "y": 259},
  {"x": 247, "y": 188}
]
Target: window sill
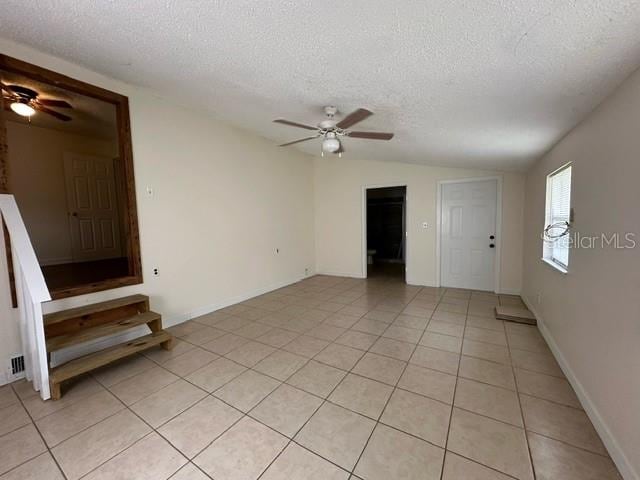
[{"x": 555, "y": 266}]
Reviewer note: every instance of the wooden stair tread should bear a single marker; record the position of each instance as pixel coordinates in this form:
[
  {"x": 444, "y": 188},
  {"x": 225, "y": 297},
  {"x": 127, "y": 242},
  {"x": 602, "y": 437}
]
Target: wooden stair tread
[
  {"x": 515, "y": 314},
  {"x": 71, "y": 313},
  {"x": 91, "y": 333},
  {"x": 92, "y": 361}
]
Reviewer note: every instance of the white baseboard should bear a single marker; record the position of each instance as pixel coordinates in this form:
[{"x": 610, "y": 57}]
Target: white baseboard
[
  {"x": 625, "y": 467},
  {"x": 509, "y": 291},
  {"x": 417, "y": 283},
  {"x": 5, "y": 378},
  {"x": 174, "y": 320},
  {"x": 167, "y": 321},
  {"x": 340, "y": 274}
]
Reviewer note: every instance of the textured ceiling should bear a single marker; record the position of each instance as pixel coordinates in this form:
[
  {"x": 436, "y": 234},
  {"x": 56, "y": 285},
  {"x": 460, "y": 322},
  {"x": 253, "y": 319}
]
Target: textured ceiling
[{"x": 491, "y": 83}]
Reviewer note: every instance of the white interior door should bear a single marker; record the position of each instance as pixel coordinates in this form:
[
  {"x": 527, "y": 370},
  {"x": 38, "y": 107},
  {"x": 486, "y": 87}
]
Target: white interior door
[
  {"x": 93, "y": 207},
  {"x": 468, "y": 224}
]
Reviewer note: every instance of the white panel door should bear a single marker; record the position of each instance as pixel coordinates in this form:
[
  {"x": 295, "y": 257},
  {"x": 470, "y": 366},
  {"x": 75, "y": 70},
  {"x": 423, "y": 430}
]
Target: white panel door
[
  {"x": 468, "y": 219},
  {"x": 93, "y": 207}
]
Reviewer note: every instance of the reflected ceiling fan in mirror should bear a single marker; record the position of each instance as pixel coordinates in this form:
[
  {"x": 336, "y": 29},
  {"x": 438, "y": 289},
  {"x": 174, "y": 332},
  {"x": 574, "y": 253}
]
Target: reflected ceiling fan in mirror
[
  {"x": 332, "y": 130},
  {"x": 26, "y": 102}
]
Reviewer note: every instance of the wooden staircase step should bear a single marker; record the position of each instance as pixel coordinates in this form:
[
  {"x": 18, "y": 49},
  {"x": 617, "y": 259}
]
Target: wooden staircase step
[
  {"x": 515, "y": 314},
  {"x": 98, "y": 359},
  {"x": 88, "y": 310},
  {"x": 91, "y": 333}
]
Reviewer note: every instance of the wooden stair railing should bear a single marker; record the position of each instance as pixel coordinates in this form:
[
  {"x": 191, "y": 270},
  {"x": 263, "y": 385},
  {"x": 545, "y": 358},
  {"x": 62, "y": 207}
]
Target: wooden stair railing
[{"x": 78, "y": 325}]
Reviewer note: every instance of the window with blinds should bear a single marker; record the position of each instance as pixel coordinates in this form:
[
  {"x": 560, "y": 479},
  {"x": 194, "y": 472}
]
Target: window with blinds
[{"x": 558, "y": 217}]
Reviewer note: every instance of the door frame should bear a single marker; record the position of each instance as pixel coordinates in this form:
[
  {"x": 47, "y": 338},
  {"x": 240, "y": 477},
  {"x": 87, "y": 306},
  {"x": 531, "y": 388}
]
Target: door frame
[
  {"x": 363, "y": 232},
  {"x": 497, "y": 261}
]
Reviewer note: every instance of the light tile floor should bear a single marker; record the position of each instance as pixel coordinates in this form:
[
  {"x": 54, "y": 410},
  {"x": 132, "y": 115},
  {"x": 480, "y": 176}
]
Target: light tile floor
[{"x": 330, "y": 378}]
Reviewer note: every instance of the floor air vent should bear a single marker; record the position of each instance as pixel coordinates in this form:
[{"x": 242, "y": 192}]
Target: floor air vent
[{"x": 16, "y": 368}]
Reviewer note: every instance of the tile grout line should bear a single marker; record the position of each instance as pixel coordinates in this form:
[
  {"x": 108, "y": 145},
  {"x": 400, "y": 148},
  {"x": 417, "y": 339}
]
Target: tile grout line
[
  {"x": 350, "y": 372},
  {"x": 247, "y": 414},
  {"x": 453, "y": 400},
  {"x": 324, "y": 401},
  {"x": 308, "y": 360},
  {"x": 377, "y": 422},
  {"x": 48, "y": 450},
  {"x": 524, "y": 423},
  {"x": 153, "y": 430}
]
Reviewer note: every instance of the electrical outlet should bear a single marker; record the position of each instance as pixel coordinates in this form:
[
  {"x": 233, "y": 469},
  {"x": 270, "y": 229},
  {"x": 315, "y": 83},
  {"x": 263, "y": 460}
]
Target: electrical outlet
[
  {"x": 150, "y": 191},
  {"x": 306, "y": 272},
  {"x": 156, "y": 272},
  {"x": 277, "y": 250}
]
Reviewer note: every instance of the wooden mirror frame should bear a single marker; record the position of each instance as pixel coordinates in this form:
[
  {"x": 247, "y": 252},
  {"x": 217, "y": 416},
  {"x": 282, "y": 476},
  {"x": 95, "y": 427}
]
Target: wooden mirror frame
[{"x": 130, "y": 214}]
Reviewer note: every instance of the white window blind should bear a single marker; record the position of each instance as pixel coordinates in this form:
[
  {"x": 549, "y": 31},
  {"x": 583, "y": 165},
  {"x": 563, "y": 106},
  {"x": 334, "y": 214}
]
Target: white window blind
[{"x": 558, "y": 215}]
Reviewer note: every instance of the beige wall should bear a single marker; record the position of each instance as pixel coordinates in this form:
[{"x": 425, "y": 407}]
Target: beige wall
[
  {"x": 338, "y": 206},
  {"x": 591, "y": 316},
  {"x": 223, "y": 201},
  {"x": 37, "y": 179}
]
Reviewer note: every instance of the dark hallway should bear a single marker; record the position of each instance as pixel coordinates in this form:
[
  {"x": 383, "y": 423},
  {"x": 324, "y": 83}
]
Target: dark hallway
[{"x": 386, "y": 211}]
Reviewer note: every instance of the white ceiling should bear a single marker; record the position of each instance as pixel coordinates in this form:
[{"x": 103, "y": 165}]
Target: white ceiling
[{"x": 475, "y": 83}]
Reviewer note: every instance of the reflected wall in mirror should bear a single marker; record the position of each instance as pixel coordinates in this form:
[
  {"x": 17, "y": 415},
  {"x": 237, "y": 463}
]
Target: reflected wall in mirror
[{"x": 70, "y": 168}]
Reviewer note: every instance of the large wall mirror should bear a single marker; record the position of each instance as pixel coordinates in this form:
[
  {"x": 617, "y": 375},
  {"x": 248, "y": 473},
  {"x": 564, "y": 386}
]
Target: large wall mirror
[{"x": 68, "y": 162}]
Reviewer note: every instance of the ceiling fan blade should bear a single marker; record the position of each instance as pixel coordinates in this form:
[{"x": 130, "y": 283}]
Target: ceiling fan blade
[
  {"x": 6, "y": 87},
  {"x": 298, "y": 141},
  {"x": 294, "y": 124},
  {"x": 354, "y": 117},
  {"x": 7, "y": 93},
  {"x": 21, "y": 91},
  {"x": 50, "y": 102},
  {"x": 53, "y": 113},
  {"x": 371, "y": 135}
]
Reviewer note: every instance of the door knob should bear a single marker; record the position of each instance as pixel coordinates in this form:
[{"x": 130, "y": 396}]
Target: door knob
[
  {"x": 491, "y": 245},
  {"x": 74, "y": 214},
  {"x": 491, "y": 237}
]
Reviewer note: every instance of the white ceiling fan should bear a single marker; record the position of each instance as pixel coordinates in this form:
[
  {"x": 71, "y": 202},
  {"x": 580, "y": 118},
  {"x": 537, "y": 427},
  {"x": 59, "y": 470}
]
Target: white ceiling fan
[{"x": 331, "y": 130}]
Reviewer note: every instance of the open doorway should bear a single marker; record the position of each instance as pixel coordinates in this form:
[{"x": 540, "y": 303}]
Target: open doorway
[{"x": 386, "y": 232}]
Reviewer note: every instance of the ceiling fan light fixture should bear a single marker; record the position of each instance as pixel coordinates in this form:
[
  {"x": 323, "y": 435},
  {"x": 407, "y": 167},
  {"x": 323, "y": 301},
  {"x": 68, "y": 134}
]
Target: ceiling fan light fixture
[
  {"x": 22, "y": 109},
  {"x": 330, "y": 144}
]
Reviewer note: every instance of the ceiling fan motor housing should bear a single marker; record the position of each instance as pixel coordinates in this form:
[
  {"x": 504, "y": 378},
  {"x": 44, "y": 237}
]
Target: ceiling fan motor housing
[
  {"x": 328, "y": 123},
  {"x": 330, "y": 111}
]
